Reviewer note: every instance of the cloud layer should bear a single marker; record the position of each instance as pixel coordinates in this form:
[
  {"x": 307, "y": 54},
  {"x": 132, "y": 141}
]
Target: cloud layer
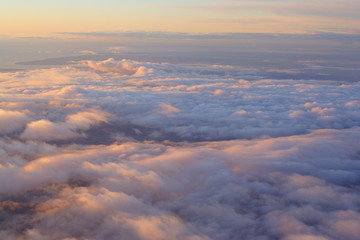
[{"x": 139, "y": 150}]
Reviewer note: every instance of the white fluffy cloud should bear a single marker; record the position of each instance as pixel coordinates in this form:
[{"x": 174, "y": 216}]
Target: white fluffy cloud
[{"x": 205, "y": 152}]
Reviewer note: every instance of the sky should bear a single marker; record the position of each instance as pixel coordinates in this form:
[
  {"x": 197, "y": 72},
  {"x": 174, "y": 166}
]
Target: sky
[{"x": 46, "y": 18}]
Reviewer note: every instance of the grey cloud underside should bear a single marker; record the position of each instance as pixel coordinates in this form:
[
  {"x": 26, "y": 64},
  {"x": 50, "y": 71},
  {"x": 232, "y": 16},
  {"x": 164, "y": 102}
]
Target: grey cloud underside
[{"x": 140, "y": 150}]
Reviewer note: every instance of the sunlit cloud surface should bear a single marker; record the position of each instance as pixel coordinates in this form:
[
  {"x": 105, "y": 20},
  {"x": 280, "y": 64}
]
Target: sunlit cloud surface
[{"x": 124, "y": 149}]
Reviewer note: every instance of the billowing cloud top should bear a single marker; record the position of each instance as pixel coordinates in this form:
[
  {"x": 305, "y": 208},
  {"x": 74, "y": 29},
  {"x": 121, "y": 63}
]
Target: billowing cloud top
[{"x": 138, "y": 150}]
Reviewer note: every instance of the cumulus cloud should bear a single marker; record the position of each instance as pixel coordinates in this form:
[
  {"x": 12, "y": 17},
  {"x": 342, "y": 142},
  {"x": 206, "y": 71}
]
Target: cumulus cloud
[
  {"x": 88, "y": 52},
  {"x": 46, "y": 130},
  {"x": 84, "y": 120},
  {"x": 46, "y": 78},
  {"x": 231, "y": 189},
  {"x": 205, "y": 152},
  {"x": 124, "y": 67},
  {"x": 116, "y": 49},
  {"x": 12, "y": 120}
]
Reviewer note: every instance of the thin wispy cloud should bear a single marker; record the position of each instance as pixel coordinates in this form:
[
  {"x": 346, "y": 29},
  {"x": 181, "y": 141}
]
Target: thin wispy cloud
[
  {"x": 281, "y": 16},
  {"x": 320, "y": 8},
  {"x": 287, "y": 16}
]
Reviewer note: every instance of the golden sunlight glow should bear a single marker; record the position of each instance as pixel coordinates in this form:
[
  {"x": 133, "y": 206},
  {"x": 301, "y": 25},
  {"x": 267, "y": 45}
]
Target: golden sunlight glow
[{"x": 46, "y": 19}]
